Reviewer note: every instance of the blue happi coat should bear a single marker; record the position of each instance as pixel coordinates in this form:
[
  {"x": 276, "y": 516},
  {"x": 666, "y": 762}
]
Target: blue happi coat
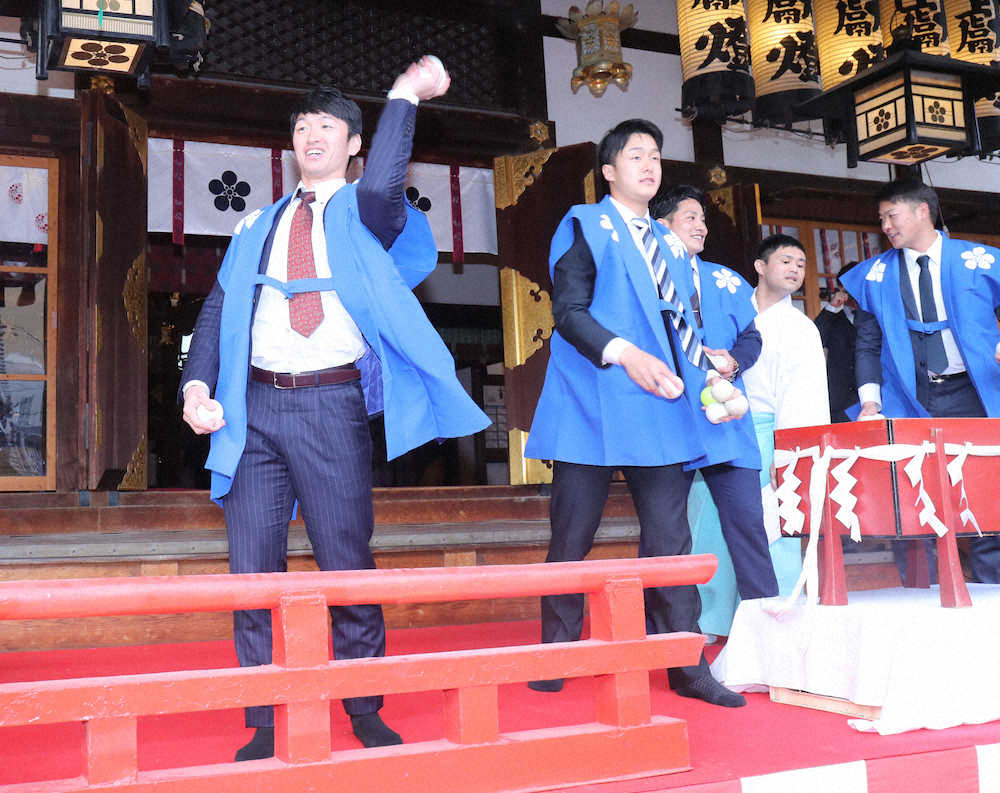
[
  {"x": 726, "y": 309},
  {"x": 970, "y": 285},
  {"x": 598, "y": 416},
  {"x": 407, "y": 372}
]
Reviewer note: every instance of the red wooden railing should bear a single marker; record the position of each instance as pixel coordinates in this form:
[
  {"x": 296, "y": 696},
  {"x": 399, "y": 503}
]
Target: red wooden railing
[{"x": 625, "y": 740}]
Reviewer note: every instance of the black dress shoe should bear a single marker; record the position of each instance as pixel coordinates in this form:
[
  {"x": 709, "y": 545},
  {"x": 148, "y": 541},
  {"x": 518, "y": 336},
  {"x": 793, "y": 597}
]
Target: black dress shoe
[
  {"x": 260, "y": 746},
  {"x": 372, "y": 731},
  {"x": 546, "y": 685}
]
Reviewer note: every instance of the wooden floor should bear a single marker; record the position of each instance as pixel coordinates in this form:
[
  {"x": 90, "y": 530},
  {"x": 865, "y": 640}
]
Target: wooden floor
[{"x": 98, "y": 534}]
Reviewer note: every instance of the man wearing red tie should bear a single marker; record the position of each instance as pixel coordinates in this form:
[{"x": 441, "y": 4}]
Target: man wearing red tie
[{"x": 310, "y": 328}]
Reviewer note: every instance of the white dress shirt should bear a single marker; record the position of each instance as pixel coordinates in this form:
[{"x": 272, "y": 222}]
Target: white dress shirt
[{"x": 337, "y": 340}]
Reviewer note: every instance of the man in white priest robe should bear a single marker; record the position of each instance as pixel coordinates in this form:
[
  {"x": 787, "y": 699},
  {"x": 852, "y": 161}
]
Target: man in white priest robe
[{"x": 787, "y": 387}]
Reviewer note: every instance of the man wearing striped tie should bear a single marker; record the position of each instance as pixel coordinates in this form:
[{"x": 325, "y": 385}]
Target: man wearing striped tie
[{"x": 613, "y": 398}]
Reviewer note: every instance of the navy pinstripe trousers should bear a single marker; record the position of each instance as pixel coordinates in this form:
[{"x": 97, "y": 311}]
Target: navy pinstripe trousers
[{"x": 310, "y": 444}]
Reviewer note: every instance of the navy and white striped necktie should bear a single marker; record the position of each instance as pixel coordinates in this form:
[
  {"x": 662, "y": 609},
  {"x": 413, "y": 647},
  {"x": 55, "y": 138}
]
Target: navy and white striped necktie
[{"x": 693, "y": 350}]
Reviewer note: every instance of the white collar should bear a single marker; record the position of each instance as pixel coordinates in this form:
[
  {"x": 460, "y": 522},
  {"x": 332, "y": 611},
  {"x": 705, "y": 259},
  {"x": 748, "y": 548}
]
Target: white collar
[{"x": 324, "y": 190}]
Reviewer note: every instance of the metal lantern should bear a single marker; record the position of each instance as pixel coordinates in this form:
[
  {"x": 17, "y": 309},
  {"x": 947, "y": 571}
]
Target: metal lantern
[
  {"x": 99, "y": 36},
  {"x": 974, "y": 30},
  {"x": 848, "y": 38},
  {"x": 920, "y": 22},
  {"x": 597, "y": 33},
  {"x": 911, "y": 116},
  {"x": 908, "y": 108},
  {"x": 715, "y": 58},
  {"x": 783, "y": 58}
]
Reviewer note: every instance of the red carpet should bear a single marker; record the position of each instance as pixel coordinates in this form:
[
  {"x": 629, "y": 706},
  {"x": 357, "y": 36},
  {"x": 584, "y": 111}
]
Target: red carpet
[{"x": 761, "y": 738}]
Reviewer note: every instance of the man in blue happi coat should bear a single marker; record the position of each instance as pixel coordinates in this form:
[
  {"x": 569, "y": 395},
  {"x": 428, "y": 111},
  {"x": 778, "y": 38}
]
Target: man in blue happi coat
[
  {"x": 614, "y": 397},
  {"x": 310, "y": 328},
  {"x": 927, "y": 334},
  {"x": 725, "y": 511}
]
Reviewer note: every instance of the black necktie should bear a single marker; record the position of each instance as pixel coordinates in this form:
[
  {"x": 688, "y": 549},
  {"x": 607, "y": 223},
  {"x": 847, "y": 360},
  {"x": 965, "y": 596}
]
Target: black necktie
[{"x": 937, "y": 358}]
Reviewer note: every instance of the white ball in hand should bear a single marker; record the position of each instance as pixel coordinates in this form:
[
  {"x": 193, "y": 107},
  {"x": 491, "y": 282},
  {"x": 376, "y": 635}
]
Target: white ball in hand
[
  {"x": 210, "y": 412},
  {"x": 715, "y": 412},
  {"x": 438, "y": 69},
  {"x": 737, "y": 406},
  {"x": 723, "y": 390}
]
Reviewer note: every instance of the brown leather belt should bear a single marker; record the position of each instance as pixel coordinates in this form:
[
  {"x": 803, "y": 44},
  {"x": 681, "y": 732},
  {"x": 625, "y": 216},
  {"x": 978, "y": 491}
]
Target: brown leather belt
[{"x": 332, "y": 376}]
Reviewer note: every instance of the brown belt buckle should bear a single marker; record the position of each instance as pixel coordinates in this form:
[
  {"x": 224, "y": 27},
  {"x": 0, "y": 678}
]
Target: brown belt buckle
[{"x": 274, "y": 377}]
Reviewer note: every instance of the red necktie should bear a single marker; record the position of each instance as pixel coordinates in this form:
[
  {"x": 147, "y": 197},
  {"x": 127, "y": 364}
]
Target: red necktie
[{"x": 305, "y": 311}]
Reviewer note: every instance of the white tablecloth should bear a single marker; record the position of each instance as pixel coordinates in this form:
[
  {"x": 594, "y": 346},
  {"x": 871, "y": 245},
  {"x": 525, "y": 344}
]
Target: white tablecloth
[{"x": 924, "y": 665}]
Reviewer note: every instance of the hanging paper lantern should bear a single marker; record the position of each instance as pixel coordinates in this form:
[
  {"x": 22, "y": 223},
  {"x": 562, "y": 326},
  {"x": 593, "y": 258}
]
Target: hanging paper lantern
[
  {"x": 715, "y": 58},
  {"x": 919, "y": 22},
  {"x": 783, "y": 57},
  {"x": 848, "y": 38},
  {"x": 973, "y": 27}
]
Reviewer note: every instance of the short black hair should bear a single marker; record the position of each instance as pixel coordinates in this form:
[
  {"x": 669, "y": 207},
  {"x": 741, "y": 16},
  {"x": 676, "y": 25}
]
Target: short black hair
[
  {"x": 912, "y": 191},
  {"x": 327, "y": 99},
  {"x": 614, "y": 140},
  {"x": 769, "y": 245},
  {"x": 665, "y": 203}
]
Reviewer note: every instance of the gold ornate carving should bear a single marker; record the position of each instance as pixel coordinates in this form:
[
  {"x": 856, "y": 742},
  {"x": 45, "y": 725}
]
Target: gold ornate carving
[
  {"x": 525, "y": 471},
  {"x": 539, "y": 132},
  {"x": 717, "y": 176},
  {"x": 134, "y": 298},
  {"x": 527, "y": 317},
  {"x": 137, "y": 130},
  {"x": 135, "y": 473},
  {"x": 723, "y": 199},
  {"x": 102, "y": 83},
  {"x": 512, "y": 175},
  {"x": 589, "y": 189}
]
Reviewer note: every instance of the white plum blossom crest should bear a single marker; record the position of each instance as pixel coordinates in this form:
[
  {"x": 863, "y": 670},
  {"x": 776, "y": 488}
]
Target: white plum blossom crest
[
  {"x": 978, "y": 257},
  {"x": 725, "y": 279},
  {"x": 676, "y": 246},
  {"x": 607, "y": 224},
  {"x": 877, "y": 271},
  {"x": 247, "y": 221}
]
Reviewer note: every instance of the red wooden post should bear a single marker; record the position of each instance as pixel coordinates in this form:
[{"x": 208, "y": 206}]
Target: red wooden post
[
  {"x": 111, "y": 751},
  {"x": 951, "y": 579},
  {"x": 472, "y": 715},
  {"x": 301, "y": 639},
  {"x": 833, "y": 578},
  {"x": 617, "y": 612}
]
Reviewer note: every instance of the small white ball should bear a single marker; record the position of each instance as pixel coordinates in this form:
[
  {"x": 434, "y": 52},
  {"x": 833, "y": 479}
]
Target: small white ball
[
  {"x": 210, "y": 412},
  {"x": 737, "y": 407},
  {"x": 723, "y": 390},
  {"x": 669, "y": 391},
  {"x": 716, "y": 412},
  {"x": 442, "y": 74}
]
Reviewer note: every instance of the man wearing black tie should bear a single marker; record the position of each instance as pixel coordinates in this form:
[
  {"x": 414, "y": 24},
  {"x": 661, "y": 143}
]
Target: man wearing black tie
[
  {"x": 927, "y": 330},
  {"x": 310, "y": 328}
]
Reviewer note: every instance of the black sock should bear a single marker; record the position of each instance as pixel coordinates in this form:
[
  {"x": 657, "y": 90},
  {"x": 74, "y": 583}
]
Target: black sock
[
  {"x": 707, "y": 688},
  {"x": 260, "y": 746},
  {"x": 372, "y": 731}
]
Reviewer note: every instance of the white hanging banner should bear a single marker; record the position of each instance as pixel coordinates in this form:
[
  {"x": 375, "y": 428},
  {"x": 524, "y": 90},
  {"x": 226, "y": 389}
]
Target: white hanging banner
[
  {"x": 25, "y": 204},
  {"x": 222, "y": 184}
]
